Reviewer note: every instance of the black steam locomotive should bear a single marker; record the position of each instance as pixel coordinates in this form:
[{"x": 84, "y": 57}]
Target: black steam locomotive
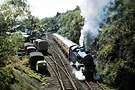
[{"x": 82, "y": 60}]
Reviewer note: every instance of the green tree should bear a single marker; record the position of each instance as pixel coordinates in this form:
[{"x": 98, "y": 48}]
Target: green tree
[
  {"x": 116, "y": 51},
  {"x": 11, "y": 12},
  {"x": 70, "y": 24},
  {"x": 67, "y": 24}
]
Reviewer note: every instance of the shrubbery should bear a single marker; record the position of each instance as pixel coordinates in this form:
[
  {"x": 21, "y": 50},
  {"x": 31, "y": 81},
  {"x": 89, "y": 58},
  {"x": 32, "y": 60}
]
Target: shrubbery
[
  {"x": 6, "y": 77},
  {"x": 116, "y": 52}
]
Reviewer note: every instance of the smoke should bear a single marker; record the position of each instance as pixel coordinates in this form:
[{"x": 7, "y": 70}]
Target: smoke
[
  {"x": 95, "y": 13},
  {"x": 78, "y": 74}
]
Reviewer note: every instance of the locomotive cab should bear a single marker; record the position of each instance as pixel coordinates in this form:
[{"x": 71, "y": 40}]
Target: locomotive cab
[{"x": 72, "y": 53}]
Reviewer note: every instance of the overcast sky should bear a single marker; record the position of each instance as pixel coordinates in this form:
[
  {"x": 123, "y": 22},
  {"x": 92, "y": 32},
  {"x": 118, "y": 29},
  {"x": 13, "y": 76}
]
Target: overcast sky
[{"x": 48, "y": 8}]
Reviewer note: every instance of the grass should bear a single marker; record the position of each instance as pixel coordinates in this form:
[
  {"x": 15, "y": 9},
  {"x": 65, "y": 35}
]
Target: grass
[{"x": 23, "y": 66}]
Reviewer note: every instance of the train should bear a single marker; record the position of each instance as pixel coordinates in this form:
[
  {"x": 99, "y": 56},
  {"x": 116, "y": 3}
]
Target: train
[
  {"x": 35, "y": 48},
  {"x": 37, "y": 62},
  {"x": 80, "y": 59}
]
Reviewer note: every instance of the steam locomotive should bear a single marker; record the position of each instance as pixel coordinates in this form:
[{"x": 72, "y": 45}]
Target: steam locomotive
[{"x": 80, "y": 59}]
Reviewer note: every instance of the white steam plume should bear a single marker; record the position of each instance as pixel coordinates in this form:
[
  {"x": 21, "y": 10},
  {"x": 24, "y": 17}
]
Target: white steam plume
[
  {"x": 79, "y": 75},
  {"x": 95, "y": 13}
]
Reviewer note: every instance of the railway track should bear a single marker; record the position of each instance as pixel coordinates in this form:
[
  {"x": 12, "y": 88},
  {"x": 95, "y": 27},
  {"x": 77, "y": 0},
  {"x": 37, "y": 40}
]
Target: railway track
[
  {"x": 62, "y": 73},
  {"x": 58, "y": 77},
  {"x": 64, "y": 77},
  {"x": 59, "y": 71},
  {"x": 94, "y": 85}
]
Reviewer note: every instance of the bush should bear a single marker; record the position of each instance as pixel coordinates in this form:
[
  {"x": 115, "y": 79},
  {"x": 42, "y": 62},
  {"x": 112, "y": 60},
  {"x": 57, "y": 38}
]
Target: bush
[
  {"x": 116, "y": 52},
  {"x": 6, "y": 78}
]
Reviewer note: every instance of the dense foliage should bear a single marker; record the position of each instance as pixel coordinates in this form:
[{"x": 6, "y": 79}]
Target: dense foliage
[
  {"x": 11, "y": 11},
  {"x": 115, "y": 46},
  {"x": 70, "y": 24},
  {"x": 5, "y": 78},
  {"x": 67, "y": 24}
]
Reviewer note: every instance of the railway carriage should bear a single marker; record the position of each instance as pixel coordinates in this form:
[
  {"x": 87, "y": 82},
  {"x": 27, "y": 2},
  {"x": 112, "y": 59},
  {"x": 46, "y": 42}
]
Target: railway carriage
[
  {"x": 64, "y": 43},
  {"x": 35, "y": 48},
  {"x": 37, "y": 62},
  {"x": 41, "y": 45}
]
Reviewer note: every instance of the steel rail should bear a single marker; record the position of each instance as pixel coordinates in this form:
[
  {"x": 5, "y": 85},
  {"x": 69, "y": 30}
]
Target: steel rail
[
  {"x": 100, "y": 86},
  {"x": 71, "y": 81},
  {"x": 60, "y": 81},
  {"x": 66, "y": 71},
  {"x": 89, "y": 86}
]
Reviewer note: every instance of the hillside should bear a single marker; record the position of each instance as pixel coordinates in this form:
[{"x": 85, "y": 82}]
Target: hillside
[
  {"x": 68, "y": 24},
  {"x": 115, "y": 47}
]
